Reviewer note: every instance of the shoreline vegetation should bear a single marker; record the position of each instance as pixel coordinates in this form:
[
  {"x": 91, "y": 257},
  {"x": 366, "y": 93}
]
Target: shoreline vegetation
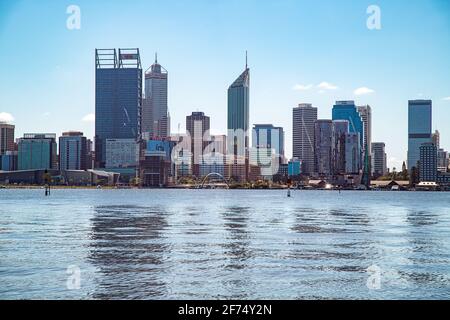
[{"x": 194, "y": 187}]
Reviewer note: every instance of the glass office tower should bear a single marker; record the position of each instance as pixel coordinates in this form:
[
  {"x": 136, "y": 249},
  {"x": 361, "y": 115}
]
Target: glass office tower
[
  {"x": 37, "y": 152},
  {"x": 118, "y": 98},
  {"x": 419, "y": 129},
  {"x": 238, "y": 127}
]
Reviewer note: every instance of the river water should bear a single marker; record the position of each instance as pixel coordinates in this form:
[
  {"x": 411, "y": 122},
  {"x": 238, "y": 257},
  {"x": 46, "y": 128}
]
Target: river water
[{"x": 224, "y": 244}]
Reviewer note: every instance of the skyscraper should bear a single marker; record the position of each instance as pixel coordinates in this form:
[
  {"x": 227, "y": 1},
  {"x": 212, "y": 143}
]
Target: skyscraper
[
  {"x": 341, "y": 129},
  {"x": 366, "y": 116},
  {"x": 324, "y": 147},
  {"x": 304, "y": 117},
  {"x": 118, "y": 98},
  {"x": 443, "y": 161},
  {"x": 73, "y": 151},
  {"x": 436, "y": 139},
  {"x": 269, "y": 136},
  {"x": 352, "y": 153},
  {"x": 6, "y": 138},
  {"x": 428, "y": 162},
  {"x": 379, "y": 159},
  {"x": 155, "y": 115},
  {"x": 267, "y": 149},
  {"x": 346, "y": 110},
  {"x": 419, "y": 128},
  {"x": 197, "y": 127},
  {"x": 238, "y": 126},
  {"x": 37, "y": 152}
]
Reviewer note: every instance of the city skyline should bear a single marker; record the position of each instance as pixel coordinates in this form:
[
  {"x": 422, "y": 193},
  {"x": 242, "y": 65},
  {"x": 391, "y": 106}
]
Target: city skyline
[{"x": 62, "y": 80}]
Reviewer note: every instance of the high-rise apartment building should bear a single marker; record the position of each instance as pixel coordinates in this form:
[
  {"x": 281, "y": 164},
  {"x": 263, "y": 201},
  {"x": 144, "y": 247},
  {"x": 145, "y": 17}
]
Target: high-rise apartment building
[{"x": 428, "y": 162}]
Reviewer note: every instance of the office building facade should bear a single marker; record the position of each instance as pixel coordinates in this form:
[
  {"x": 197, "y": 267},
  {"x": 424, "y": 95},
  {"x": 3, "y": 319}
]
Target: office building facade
[
  {"x": 118, "y": 98},
  {"x": 198, "y": 130},
  {"x": 352, "y": 153},
  {"x": 379, "y": 159},
  {"x": 271, "y": 137},
  {"x": 324, "y": 147},
  {"x": 121, "y": 153},
  {"x": 238, "y": 125},
  {"x": 73, "y": 151},
  {"x": 37, "y": 152},
  {"x": 366, "y": 116},
  {"x": 340, "y": 131},
  {"x": 303, "y": 128},
  {"x": 6, "y": 138},
  {"x": 419, "y": 129},
  {"x": 155, "y": 111}
]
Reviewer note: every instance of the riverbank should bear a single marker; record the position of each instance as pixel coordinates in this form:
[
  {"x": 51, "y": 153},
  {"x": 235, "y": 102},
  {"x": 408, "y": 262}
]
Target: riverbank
[{"x": 192, "y": 187}]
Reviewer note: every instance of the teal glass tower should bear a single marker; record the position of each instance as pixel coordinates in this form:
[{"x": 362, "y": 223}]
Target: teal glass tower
[{"x": 238, "y": 125}]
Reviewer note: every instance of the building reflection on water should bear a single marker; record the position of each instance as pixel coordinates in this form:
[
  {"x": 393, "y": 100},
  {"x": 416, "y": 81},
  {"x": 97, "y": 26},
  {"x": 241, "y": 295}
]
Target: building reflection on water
[
  {"x": 129, "y": 250},
  {"x": 237, "y": 250},
  {"x": 425, "y": 250}
]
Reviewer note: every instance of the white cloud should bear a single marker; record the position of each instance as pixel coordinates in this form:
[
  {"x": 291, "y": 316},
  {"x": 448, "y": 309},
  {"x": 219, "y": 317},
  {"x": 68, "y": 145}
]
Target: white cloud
[
  {"x": 327, "y": 86},
  {"x": 46, "y": 114},
  {"x": 6, "y": 117},
  {"x": 302, "y": 87},
  {"x": 446, "y": 99},
  {"x": 89, "y": 118},
  {"x": 363, "y": 91}
]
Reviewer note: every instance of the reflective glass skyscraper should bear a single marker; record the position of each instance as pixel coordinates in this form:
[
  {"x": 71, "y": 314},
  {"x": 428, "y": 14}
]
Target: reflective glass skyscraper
[
  {"x": 37, "y": 152},
  {"x": 238, "y": 126},
  {"x": 346, "y": 110},
  {"x": 73, "y": 151},
  {"x": 118, "y": 97},
  {"x": 268, "y": 136},
  {"x": 419, "y": 128},
  {"x": 238, "y": 107}
]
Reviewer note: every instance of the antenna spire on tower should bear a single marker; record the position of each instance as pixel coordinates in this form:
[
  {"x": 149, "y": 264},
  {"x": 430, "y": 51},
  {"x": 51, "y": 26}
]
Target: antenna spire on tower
[
  {"x": 246, "y": 60},
  {"x": 156, "y": 57}
]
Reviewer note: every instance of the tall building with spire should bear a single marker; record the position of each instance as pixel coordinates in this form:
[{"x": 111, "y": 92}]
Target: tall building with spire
[
  {"x": 155, "y": 115},
  {"x": 238, "y": 126}
]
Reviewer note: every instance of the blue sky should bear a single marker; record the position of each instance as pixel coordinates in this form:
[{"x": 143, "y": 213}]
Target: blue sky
[{"x": 47, "y": 70}]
